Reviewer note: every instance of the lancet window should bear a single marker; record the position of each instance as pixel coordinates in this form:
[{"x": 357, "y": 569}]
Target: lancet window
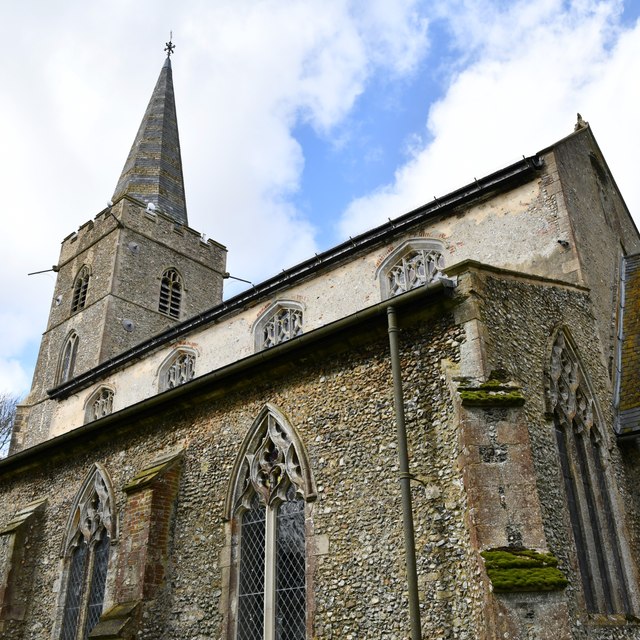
[
  {"x": 411, "y": 265},
  {"x": 267, "y": 500},
  {"x": 80, "y": 287},
  {"x": 178, "y": 369},
  {"x": 86, "y": 550},
  {"x": 281, "y": 322},
  {"x": 67, "y": 363},
  {"x": 587, "y": 484},
  {"x": 170, "y": 293},
  {"x": 100, "y": 404}
]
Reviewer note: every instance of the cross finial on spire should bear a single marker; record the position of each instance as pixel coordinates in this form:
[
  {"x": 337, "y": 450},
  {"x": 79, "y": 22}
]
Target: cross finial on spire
[{"x": 169, "y": 48}]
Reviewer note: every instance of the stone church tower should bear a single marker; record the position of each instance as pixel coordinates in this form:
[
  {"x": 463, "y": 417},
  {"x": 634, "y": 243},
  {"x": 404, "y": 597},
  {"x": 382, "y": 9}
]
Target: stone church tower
[{"x": 134, "y": 270}]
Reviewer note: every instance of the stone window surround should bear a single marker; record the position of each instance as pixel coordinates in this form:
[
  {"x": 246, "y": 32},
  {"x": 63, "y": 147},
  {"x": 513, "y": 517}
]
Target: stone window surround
[
  {"x": 97, "y": 482},
  {"x": 582, "y": 445},
  {"x": 171, "y": 297},
  {"x": 66, "y": 365},
  {"x": 80, "y": 288},
  {"x": 16, "y": 568},
  {"x": 170, "y": 361},
  {"x": 245, "y": 479},
  {"x": 406, "y": 248},
  {"x": 89, "y": 407},
  {"x": 267, "y": 316}
]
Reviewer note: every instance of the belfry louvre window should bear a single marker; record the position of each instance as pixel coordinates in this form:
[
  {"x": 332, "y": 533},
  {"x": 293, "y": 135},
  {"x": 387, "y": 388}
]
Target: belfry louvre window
[
  {"x": 86, "y": 551},
  {"x": 80, "y": 286},
  {"x": 414, "y": 263},
  {"x": 68, "y": 355},
  {"x": 178, "y": 369},
  {"x": 267, "y": 500},
  {"x": 281, "y": 322},
  {"x": 170, "y": 293},
  {"x": 588, "y": 488}
]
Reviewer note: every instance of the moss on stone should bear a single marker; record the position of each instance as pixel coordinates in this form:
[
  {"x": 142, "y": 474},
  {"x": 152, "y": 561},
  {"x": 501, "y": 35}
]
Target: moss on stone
[
  {"x": 493, "y": 392},
  {"x": 513, "y": 570}
]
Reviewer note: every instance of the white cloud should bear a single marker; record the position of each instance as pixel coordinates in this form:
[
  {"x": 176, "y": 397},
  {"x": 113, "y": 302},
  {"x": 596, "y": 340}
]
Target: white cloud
[
  {"x": 78, "y": 79},
  {"x": 527, "y": 69}
]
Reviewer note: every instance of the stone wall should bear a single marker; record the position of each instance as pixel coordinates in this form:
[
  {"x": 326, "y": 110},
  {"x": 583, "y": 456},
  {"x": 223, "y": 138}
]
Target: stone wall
[
  {"x": 340, "y": 401},
  {"x": 337, "y": 394},
  {"x": 521, "y": 320},
  {"x": 602, "y": 227}
]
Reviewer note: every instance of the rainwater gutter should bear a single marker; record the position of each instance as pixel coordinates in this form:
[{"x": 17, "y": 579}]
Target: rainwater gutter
[{"x": 506, "y": 178}]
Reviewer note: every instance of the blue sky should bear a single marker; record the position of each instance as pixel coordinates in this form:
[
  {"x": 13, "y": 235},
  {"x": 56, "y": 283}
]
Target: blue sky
[{"x": 302, "y": 122}]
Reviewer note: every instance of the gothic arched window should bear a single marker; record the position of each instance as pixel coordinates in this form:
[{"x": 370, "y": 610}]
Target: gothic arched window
[
  {"x": 100, "y": 404},
  {"x": 587, "y": 486},
  {"x": 80, "y": 286},
  {"x": 413, "y": 263},
  {"x": 90, "y": 529},
  {"x": 279, "y": 323},
  {"x": 170, "y": 293},
  {"x": 68, "y": 355},
  {"x": 178, "y": 368},
  {"x": 271, "y": 482}
]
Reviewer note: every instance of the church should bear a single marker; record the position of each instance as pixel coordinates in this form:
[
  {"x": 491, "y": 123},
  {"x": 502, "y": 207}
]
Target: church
[{"x": 428, "y": 431}]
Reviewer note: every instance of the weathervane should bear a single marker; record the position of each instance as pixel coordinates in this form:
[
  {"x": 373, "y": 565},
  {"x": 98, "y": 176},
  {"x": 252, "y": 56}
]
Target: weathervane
[{"x": 169, "y": 45}]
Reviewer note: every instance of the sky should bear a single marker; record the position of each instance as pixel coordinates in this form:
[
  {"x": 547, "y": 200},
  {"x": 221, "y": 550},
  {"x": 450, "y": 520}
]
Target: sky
[{"x": 302, "y": 122}]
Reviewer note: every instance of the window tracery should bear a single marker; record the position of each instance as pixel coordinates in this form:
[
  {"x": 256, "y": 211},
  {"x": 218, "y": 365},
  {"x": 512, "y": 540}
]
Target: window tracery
[
  {"x": 68, "y": 355},
  {"x": 281, "y": 322},
  {"x": 80, "y": 287},
  {"x": 414, "y": 263},
  {"x": 267, "y": 501},
  {"x": 177, "y": 370},
  {"x": 170, "y": 293},
  {"x": 87, "y": 541},
  {"x": 100, "y": 404},
  {"x": 587, "y": 487}
]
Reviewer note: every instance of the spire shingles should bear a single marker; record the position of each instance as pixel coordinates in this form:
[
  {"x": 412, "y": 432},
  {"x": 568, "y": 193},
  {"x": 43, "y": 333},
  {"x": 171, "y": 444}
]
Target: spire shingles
[{"x": 153, "y": 170}]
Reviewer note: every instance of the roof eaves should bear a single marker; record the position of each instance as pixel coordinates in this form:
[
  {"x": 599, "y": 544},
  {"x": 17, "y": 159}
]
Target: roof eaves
[{"x": 505, "y": 178}]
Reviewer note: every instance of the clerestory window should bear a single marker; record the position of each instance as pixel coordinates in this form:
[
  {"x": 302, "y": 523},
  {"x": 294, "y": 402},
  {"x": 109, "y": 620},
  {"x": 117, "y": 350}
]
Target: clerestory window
[
  {"x": 588, "y": 487},
  {"x": 170, "y": 293},
  {"x": 271, "y": 485},
  {"x": 80, "y": 287},
  {"x": 67, "y": 363},
  {"x": 86, "y": 552},
  {"x": 281, "y": 322},
  {"x": 412, "y": 264},
  {"x": 177, "y": 369},
  {"x": 100, "y": 404}
]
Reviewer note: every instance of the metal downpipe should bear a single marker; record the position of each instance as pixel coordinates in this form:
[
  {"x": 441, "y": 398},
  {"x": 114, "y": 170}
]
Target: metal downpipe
[{"x": 405, "y": 478}]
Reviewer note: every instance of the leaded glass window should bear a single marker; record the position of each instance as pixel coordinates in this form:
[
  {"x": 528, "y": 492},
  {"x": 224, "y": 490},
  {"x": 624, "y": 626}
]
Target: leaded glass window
[
  {"x": 170, "y": 293},
  {"x": 269, "y": 495},
  {"x": 179, "y": 369},
  {"x": 281, "y": 322},
  {"x": 80, "y": 287},
  {"x": 587, "y": 490},
  {"x": 251, "y": 574},
  {"x": 87, "y": 545},
  {"x": 68, "y": 358},
  {"x": 414, "y": 263},
  {"x": 100, "y": 404},
  {"x": 414, "y": 269},
  {"x": 282, "y": 326}
]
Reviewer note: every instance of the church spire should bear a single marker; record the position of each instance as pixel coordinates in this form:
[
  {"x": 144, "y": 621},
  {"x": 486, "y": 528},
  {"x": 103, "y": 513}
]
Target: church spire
[{"x": 153, "y": 170}]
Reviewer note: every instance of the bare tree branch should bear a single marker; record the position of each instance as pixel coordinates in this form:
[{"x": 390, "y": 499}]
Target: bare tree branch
[{"x": 8, "y": 404}]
